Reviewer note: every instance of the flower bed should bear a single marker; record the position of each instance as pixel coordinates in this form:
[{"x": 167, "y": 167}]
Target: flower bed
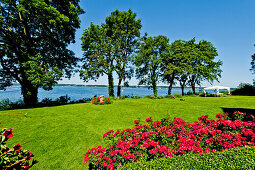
[
  {"x": 169, "y": 137},
  {"x": 101, "y": 100},
  {"x": 15, "y": 157}
]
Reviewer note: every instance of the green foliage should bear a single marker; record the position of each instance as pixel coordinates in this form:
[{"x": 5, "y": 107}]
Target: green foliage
[
  {"x": 149, "y": 59},
  {"x": 109, "y": 48},
  {"x": 170, "y": 96},
  {"x": 150, "y": 97},
  {"x": 237, "y": 158},
  {"x": 207, "y": 95},
  {"x": 136, "y": 97},
  {"x": 253, "y": 64},
  {"x": 13, "y": 158},
  {"x": 244, "y": 89},
  {"x": 203, "y": 65},
  {"x": 124, "y": 30},
  {"x": 98, "y": 57},
  {"x": 63, "y": 99},
  {"x": 178, "y": 96},
  {"x": 5, "y": 104},
  {"x": 190, "y": 63},
  {"x": 33, "y": 43},
  {"x": 160, "y": 97}
]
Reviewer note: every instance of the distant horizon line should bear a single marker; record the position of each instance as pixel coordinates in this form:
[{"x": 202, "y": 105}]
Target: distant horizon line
[{"x": 130, "y": 86}]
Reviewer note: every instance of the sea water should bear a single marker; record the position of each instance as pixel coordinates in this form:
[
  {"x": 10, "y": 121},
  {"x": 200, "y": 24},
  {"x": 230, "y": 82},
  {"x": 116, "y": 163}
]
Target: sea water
[{"x": 13, "y": 93}]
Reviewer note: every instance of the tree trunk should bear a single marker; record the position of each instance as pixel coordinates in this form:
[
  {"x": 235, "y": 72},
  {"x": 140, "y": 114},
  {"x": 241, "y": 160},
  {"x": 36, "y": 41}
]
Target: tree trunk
[
  {"x": 171, "y": 84},
  {"x": 154, "y": 87},
  {"x": 193, "y": 88},
  {"x": 29, "y": 93},
  {"x": 193, "y": 84},
  {"x": 119, "y": 88},
  {"x": 182, "y": 86},
  {"x": 110, "y": 85}
]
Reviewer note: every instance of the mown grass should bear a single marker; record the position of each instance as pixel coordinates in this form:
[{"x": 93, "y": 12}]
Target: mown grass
[{"x": 59, "y": 136}]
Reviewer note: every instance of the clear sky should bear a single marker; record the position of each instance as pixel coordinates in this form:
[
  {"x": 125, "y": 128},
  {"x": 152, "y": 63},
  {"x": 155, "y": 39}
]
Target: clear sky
[{"x": 228, "y": 24}]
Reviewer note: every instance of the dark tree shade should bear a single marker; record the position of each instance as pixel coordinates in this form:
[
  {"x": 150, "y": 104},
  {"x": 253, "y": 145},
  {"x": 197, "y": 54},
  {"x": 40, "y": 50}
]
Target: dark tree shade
[{"x": 34, "y": 36}]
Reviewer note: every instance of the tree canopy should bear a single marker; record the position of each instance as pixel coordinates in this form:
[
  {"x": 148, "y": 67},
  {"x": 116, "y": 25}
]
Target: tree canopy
[
  {"x": 253, "y": 63},
  {"x": 34, "y": 36},
  {"x": 124, "y": 30},
  {"x": 109, "y": 47},
  {"x": 98, "y": 58},
  {"x": 149, "y": 60},
  {"x": 190, "y": 63}
]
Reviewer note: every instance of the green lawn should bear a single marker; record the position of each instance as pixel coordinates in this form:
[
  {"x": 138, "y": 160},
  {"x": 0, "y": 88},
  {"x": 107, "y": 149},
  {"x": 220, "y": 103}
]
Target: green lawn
[{"x": 59, "y": 136}]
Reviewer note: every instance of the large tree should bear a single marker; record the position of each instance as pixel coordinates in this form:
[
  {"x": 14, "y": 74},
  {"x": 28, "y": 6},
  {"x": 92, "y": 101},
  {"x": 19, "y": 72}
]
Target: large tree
[
  {"x": 176, "y": 64},
  {"x": 98, "y": 58},
  {"x": 34, "y": 35},
  {"x": 203, "y": 65},
  {"x": 149, "y": 60},
  {"x": 172, "y": 63},
  {"x": 124, "y": 31},
  {"x": 253, "y": 66}
]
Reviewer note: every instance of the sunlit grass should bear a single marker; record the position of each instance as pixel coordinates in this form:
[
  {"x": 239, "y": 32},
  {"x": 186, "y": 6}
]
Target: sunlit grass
[{"x": 59, "y": 136}]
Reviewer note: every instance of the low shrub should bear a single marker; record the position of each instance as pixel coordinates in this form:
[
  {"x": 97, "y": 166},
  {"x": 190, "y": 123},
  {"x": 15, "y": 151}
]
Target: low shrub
[
  {"x": 136, "y": 97},
  {"x": 122, "y": 97},
  {"x": 63, "y": 99},
  {"x": 236, "y": 158},
  {"x": 207, "y": 95},
  {"x": 82, "y": 101},
  {"x": 169, "y": 137},
  {"x": 101, "y": 101},
  {"x": 150, "y": 97},
  {"x": 192, "y": 95},
  {"x": 15, "y": 157},
  {"x": 170, "y": 96},
  {"x": 244, "y": 89},
  {"x": 178, "y": 95},
  {"x": 5, "y": 104},
  {"x": 160, "y": 97}
]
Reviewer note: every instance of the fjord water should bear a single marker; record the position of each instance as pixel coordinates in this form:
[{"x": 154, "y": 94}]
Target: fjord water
[{"x": 13, "y": 93}]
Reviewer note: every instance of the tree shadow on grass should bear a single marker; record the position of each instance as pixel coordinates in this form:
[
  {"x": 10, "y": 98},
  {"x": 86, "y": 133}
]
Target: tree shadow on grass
[{"x": 244, "y": 110}]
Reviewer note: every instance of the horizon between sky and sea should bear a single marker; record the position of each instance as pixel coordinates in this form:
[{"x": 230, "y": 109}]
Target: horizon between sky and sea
[{"x": 76, "y": 92}]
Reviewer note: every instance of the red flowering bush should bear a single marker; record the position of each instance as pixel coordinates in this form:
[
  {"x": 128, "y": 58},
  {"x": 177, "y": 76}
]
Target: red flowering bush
[
  {"x": 13, "y": 158},
  {"x": 169, "y": 137},
  {"x": 100, "y": 101}
]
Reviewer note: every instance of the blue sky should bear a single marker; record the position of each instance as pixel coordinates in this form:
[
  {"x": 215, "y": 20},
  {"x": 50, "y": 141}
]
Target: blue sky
[{"x": 228, "y": 24}]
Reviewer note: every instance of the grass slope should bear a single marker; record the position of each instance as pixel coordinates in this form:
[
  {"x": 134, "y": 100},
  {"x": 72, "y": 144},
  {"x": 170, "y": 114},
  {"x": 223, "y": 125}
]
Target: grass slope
[{"x": 59, "y": 136}]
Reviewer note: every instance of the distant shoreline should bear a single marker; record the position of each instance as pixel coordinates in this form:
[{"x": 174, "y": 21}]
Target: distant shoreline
[
  {"x": 131, "y": 86},
  {"x": 80, "y": 85}
]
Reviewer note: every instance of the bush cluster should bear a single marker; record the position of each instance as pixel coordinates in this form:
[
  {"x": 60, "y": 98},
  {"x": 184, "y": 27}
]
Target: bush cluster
[
  {"x": 15, "y": 157},
  {"x": 169, "y": 137},
  {"x": 5, "y": 104},
  {"x": 235, "y": 158},
  {"x": 99, "y": 101},
  {"x": 244, "y": 89}
]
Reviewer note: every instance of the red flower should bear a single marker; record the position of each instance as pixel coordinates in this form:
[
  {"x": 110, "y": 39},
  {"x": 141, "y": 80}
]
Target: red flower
[
  {"x": 136, "y": 121},
  {"x": 16, "y": 147},
  {"x": 30, "y": 155},
  {"x": 104, "y": 164},
  {"x": 149, "y": 119},
  {"x": 8, "y": 134}
]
